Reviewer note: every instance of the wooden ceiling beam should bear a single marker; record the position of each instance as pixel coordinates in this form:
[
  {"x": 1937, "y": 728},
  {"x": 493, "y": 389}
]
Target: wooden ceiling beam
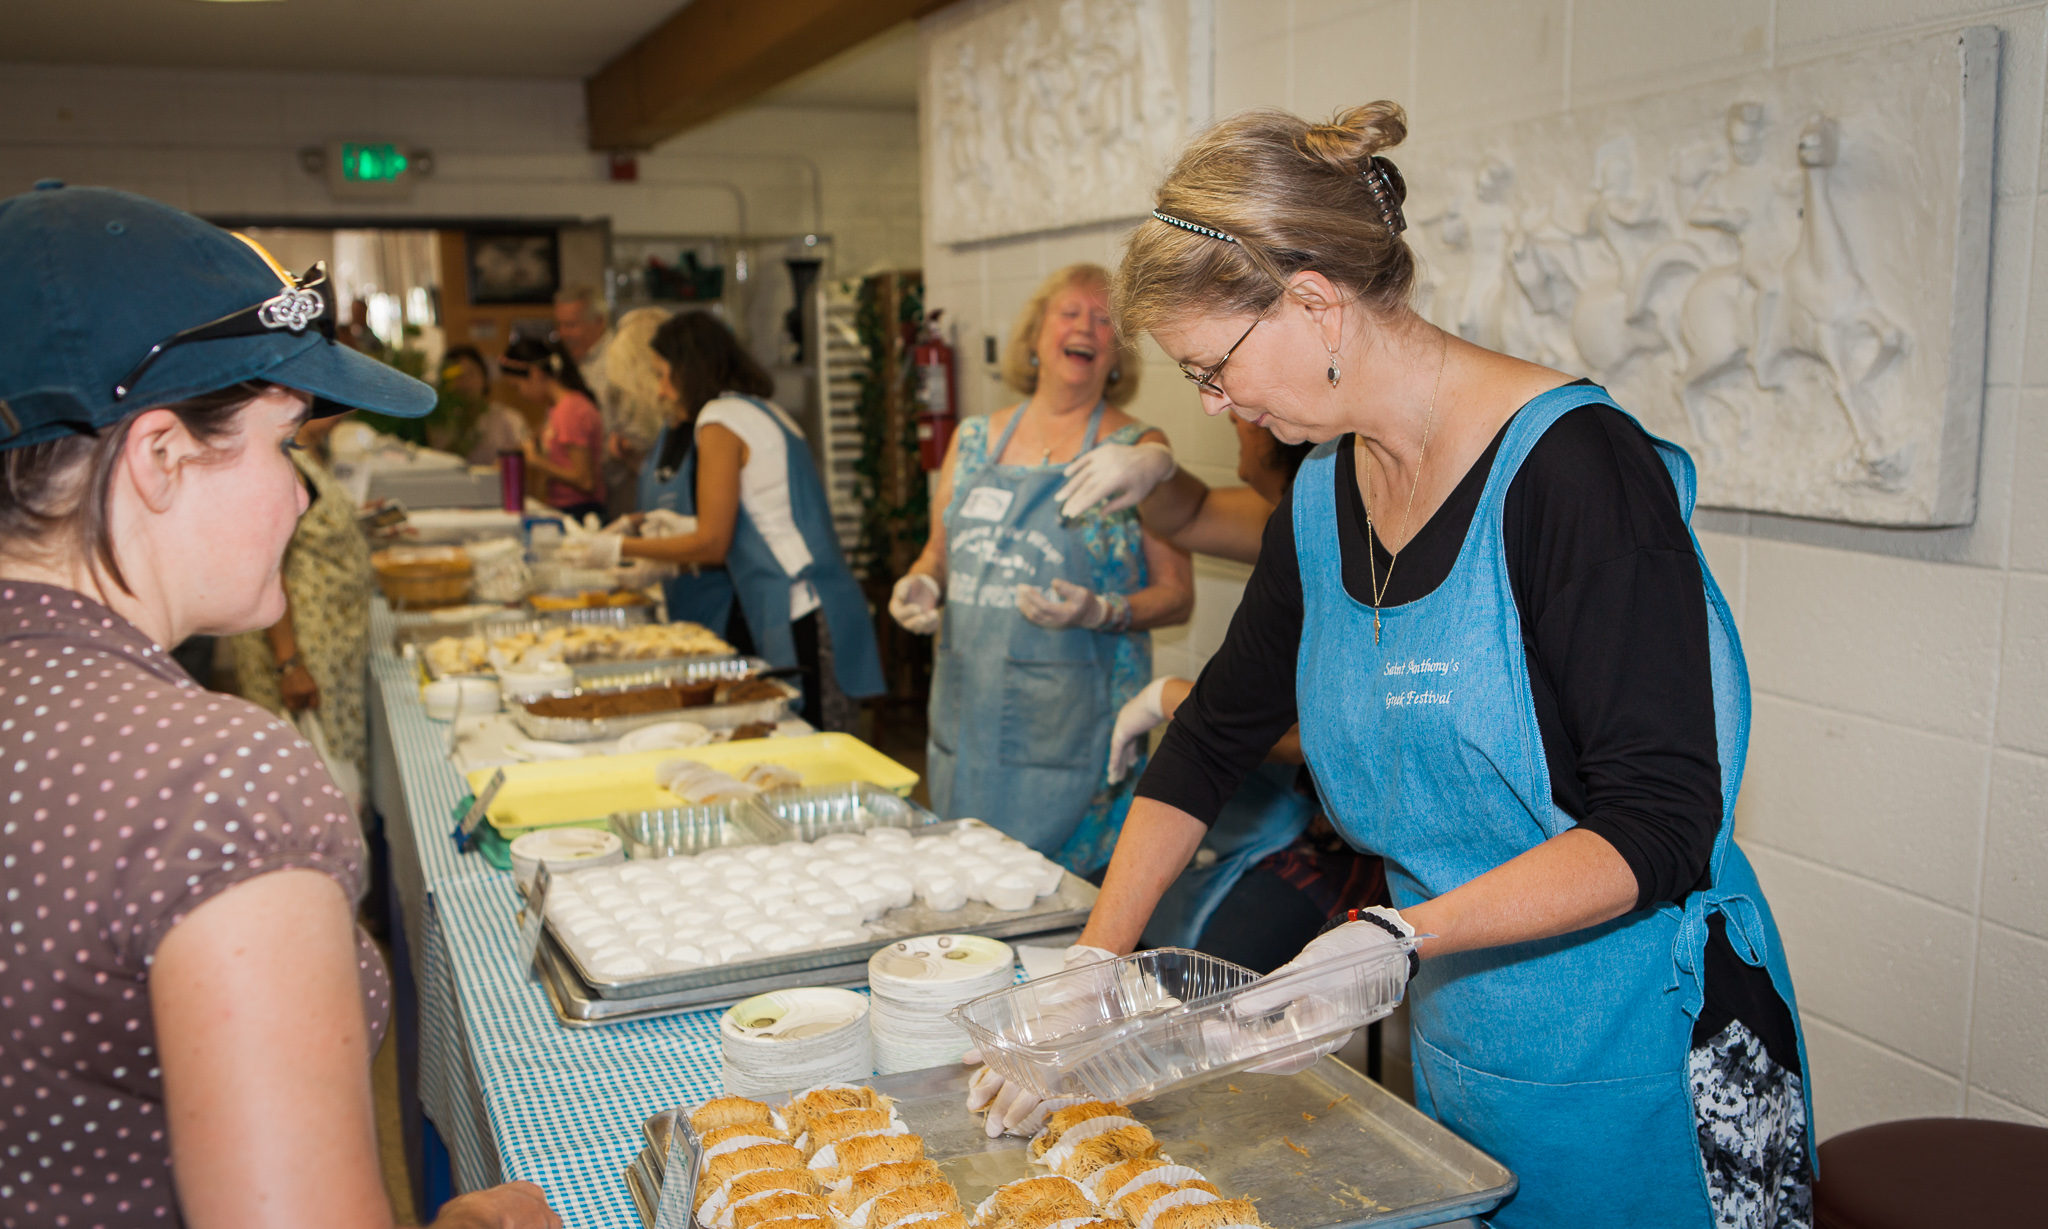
[{"x": 714, "y": 55}]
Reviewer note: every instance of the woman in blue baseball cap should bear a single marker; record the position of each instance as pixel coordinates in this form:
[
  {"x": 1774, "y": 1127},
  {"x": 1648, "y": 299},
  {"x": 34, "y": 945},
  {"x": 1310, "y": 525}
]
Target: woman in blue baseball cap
[{"x": 189, "y": 1007}]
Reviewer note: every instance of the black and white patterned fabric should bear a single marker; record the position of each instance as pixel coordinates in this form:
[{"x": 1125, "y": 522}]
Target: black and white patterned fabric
[{"x": 1751, "y": 1117}]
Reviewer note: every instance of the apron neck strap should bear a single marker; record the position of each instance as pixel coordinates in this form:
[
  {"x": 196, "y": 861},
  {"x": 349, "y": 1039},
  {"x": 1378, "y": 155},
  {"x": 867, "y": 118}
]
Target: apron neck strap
[{"x": 1087, "y": 441}]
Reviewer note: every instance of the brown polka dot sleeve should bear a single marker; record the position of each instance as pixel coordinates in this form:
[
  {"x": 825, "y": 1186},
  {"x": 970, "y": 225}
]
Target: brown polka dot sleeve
[{"x": 128, "y": 797}]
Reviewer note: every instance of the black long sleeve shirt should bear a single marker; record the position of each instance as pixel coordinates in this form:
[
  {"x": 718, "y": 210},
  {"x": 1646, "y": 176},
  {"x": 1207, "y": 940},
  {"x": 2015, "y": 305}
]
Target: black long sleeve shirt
[{"x": 1614, "y": 625}]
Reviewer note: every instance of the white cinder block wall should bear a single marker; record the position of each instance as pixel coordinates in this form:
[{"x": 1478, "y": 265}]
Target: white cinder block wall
[
  {"x": 1896, "y": 801},
  {"x": 226, "y": 142}
]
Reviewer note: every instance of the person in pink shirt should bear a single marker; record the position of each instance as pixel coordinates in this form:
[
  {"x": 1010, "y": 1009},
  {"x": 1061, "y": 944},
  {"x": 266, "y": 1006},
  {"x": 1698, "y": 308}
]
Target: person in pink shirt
[{"x": 572, "y": 443}]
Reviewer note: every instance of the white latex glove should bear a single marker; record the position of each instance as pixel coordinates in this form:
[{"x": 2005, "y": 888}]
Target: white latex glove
[
  {"x": 590, "y": 550},
  {"x": 1121, "y": 474},
  {"x": 662, "y": 523},
  {"x": 1307, "y": 990},
  {"x": 625, "y": 526},
  {"x": 1068, "y": 605},
  {"x": 1145, "y": 712},
  {"x": 1013, "y": 1108},
  {"x": 914, "y": 603}
]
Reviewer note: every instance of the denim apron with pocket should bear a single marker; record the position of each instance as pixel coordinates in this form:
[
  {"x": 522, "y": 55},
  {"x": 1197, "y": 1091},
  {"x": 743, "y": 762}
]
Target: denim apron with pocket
[
  {"x": 702, "y": 596},
  {"x": 1564, "y": 1058},
  {"x": 1020, "y": 714}
]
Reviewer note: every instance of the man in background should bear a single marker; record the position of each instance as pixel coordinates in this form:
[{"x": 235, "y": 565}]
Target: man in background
[{"x": 584, "y": 325}]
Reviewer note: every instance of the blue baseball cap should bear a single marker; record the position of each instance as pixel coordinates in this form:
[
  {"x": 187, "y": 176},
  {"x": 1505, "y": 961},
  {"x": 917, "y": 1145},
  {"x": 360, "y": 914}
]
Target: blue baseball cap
[{"x": 111, "y": 303}]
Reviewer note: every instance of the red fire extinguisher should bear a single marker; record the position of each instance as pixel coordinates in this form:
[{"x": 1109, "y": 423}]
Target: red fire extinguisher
[{"x": 937, "y": 394}]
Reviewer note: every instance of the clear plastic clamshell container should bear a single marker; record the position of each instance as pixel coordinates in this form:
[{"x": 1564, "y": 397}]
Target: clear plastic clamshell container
[
  {"x": 1134, "y": 1027},
  {"x": 805, "y": 813}
]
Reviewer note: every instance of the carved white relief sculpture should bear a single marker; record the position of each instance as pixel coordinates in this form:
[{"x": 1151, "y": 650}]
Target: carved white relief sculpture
[
  {"x": 1786, "y": 274},
  {"x": 1051, "y": 113}
]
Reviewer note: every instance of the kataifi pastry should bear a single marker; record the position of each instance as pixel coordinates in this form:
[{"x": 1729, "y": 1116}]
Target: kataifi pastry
[
  {"x": 1147, "y": 1202},
  {"x": 778, "y": 1205},
  {"x": 906, "y": 1201},
  {"x": 1216, "y": 1214},
  {"x": 728, "y": 1112},
  {"x": 1092, "y": 1156},
  {"x": 878, "y": 1180},
  {"x": 850, "y": 1156},
  {"x": 1119, "y": 1180}
]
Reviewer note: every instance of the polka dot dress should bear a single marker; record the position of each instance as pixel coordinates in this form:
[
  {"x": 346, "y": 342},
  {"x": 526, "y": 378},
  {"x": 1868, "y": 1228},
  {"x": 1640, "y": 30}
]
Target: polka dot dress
[{"x": 128, "y": 796}]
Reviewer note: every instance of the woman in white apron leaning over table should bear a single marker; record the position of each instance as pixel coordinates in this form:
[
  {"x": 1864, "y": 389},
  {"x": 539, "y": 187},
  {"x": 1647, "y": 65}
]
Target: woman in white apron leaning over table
[
  {"x": 1516, "y": 680},
  {"x": 1042, "y": 609},
  {"x": 736, "y": 463}
]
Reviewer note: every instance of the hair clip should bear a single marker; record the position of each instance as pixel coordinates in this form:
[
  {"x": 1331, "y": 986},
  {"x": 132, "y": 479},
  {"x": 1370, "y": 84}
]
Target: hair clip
[
  {"x": 1384, "y": 181},
  {"x": 1196, "y": 227}
]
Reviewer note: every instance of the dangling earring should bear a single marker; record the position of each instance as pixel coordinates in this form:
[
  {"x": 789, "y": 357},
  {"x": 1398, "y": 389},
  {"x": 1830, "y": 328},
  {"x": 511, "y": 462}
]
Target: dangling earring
[
  {"x": 1034, "y": 360},
  {"x": 1334, "y": 372},
  {"x": 1115, "y": 374}
]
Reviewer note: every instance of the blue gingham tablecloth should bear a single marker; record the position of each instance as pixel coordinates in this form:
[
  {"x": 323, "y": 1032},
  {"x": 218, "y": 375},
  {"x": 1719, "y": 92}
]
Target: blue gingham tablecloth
[{"x": 514, "y": 1094}]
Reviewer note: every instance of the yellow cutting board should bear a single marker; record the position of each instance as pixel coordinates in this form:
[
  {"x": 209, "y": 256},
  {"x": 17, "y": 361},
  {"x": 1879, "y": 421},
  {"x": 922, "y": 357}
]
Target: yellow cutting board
[{"x": 555, "y": 793}]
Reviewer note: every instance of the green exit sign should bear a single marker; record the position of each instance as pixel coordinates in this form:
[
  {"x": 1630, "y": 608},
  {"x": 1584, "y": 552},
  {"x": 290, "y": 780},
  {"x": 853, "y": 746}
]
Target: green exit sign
[{"x": 361, "y": 163}]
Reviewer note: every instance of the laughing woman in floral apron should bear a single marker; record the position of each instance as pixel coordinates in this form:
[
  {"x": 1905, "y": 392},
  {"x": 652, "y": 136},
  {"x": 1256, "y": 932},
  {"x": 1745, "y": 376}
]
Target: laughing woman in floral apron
[
  {"x": 1516, "y": 681},
  {"x": 1043, "y": 625}
]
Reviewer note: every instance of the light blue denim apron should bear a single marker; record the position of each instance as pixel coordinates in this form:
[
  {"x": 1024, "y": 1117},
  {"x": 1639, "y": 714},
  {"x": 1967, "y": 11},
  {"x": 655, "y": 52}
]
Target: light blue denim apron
[
  {"x": 705, "y": 596},
  {"x": 1020, "y": 715},
  {"x": 761, "y": 584},
  {"x": 1565, "y": 1058},
  {"x": 1262, "y": 818}
]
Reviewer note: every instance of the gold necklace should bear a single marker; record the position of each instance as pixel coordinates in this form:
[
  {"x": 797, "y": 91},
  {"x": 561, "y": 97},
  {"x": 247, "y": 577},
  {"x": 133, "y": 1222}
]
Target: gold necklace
[
  {"x": 1045, "y": 456},
  {"x": 1379, "y": 587}
]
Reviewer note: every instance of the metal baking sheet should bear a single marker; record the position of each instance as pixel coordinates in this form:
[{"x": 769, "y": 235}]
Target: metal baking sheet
[
  {"x": 1325, "y": 1149},
  {"x": 577, "y": 1006},
  {"x": 1065, "y": 908}
]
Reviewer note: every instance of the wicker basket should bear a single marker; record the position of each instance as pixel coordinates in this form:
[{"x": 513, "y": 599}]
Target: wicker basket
[{"x": 413, "y": 577}]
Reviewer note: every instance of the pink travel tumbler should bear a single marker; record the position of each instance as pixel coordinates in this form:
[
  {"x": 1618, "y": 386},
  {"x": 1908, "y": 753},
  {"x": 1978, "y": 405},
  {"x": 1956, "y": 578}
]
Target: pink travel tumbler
[{"x": 512, "y": 481}]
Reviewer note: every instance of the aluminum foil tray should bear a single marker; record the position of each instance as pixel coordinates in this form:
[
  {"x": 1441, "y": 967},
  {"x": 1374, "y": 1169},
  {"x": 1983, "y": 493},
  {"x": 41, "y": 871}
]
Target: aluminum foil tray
[
  {"x": 712, "y": 716},
  {"x": 1325, "y": 1149},
  {"x": 805, "y": 813},
  {"x": 670, "y": 831}
]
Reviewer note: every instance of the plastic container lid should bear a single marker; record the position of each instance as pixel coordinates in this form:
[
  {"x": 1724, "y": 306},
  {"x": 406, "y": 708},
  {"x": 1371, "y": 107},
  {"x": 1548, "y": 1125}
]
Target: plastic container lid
[{"x": 1134, "y": 1027}]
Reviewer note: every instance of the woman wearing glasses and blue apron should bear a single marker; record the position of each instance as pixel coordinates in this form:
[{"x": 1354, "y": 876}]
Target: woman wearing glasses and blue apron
[
  {"x": 1043, "y": 625},
  {"x": 761, "y": 512},
  {"x": 1516, "y": 681}
]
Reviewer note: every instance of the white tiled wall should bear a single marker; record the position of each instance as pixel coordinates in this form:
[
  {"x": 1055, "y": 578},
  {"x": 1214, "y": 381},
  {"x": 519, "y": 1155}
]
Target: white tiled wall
[
  {"x": 1896, "y": 803},
  {"x": 227, "y": 143}
]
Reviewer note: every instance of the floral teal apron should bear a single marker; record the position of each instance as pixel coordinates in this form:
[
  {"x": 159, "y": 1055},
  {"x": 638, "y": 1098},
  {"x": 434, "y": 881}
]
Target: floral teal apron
[
  {"x": 1020, "y": 715},
  {"x": 1565, "y": 1058}
]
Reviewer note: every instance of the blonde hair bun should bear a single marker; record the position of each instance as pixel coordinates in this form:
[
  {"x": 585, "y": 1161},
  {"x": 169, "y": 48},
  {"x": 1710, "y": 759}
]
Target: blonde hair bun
[{"x": 1355, "y": 134}]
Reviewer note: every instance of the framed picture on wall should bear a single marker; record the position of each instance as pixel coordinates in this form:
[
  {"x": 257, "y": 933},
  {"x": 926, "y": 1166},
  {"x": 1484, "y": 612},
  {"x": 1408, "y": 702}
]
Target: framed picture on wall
[{"x": 513, "y": 266}]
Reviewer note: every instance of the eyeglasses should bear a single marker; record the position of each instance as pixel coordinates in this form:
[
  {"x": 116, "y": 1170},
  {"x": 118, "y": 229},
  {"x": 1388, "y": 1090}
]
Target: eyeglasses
[
  {"x": 1206, "y": 380},
  {"x": 305, "y": 302}
]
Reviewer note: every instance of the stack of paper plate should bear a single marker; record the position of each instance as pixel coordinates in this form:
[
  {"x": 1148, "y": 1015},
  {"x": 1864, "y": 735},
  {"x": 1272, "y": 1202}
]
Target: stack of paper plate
[
  {"x": 794, "y": 1039},
  {"x": 916, "y": 982}
]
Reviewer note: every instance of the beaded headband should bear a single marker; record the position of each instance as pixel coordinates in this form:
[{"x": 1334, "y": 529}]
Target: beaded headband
[
  {"x": 1196, "y": 227},
  {"x": 1382, "y": 179}
]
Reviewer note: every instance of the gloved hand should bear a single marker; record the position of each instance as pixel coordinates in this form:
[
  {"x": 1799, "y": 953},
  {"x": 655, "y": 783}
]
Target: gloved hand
[
  {"x": 1145, "y": 712},
  {"x": 1307, "y": 989},
  {"x": 914, "y": 603},
  {"x": 662, "y": 523},
  {"x": 590, "y": 550},
  {"x": 1122, "y": 474},
  {"x": 1013, "y": 1108},
  {"x": 1068, "y": 605},
  {"x": 626, "y": 526}
]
